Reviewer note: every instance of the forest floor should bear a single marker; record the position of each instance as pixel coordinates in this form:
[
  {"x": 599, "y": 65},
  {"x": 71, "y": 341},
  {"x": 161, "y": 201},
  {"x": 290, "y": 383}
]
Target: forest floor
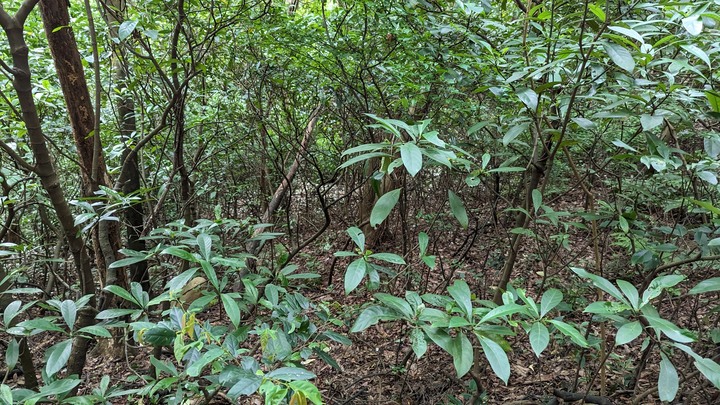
[{"x": 380, "y": 368}]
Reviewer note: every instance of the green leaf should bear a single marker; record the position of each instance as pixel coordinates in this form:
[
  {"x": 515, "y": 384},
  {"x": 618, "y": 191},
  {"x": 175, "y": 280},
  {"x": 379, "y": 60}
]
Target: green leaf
[
  {"x": 668, "y": 381},
  {"x": 12, "y": 353},
  {"x": 709, "y": 285},
  {"x": 398, "y": 304},
  {"x": 246, "y": 385},
  {"x": 709, "y": 177},
  {"x": 423, "y": 240},
  {"x": 388, "y": 257},
  {"x": 309, "y": 389},
  {"x": 371, "y": 316},
  {"x": 693, "y": 25},
  {"x": 550, "y": 299},
  {"x": 334, "y": 336},
  {"x": 204, "y": 242},
  {"x": 496, "y": 357},
  {"x": 68, "y": 310},
  {"x": 440, "y": 337},
  {"x": 11, "y": 311},
  {"x": 630, "y": 292},
  {"x": 461, "y": 351},
  {"x": 126, "y": 29},
  {"x": 503, "y": 310},
  {"x": 57, "y": 356},
  {"x": 621, "y": 144},
  {"x": 714, "y": 101},
  {"x": 411, "y": 157},
  {"x": 127, "y": 261},
  {"x": 529, "y": 98},
  {"x": 570, "y": 331},
  {"x": 115, "y": 313},
  {"x": 628, "y": 332},
  {"x": 598, "y": 11},
  {"x": 418, "y": 343},
  {"x": 513, "y": 133},
  {"x": 383, "y": 206},
  {"x": 650, "y": 122},
  {"x": 697, "y": 52},
  {"x": 290, "y": 374},
  {"x": 458, "y": 209},
  {"x": 179, "y": 252},
  {"x": 354, "y": 274},
  {"x": 536, "y": 199},
  {"x": 601, "y": 283},
  {"x": 357, "y": 237},
  {"x": 6, "y": 397},
  {"x": 539, "y": 338},
  {"x": 207, "y": 358},
  {"x": 620, "y": 56},
  {"x": 231, "y": 309},
  {"x": 95, "y": 330},
  {"x": 178, "y": 282},
  {"x": 122, "y": 293},
  {"x": 460, "y": 292},
  {"x": 159, "y": 336}
]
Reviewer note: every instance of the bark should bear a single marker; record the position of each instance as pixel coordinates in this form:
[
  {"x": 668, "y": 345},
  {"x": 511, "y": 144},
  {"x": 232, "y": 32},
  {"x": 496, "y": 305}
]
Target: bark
[
  {"x": 71, "y": 75},
  {"x": 45, "y": 170},
  {"x": 135, "y": 213}
]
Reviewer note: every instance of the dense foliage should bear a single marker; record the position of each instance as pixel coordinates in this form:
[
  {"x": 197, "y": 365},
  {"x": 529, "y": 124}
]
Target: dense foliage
[{"x": 492, "y": 180}]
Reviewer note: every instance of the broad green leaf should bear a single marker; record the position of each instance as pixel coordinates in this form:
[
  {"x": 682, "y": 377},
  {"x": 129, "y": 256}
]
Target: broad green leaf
[
  {"x": 697, "y": 52},
  {"x": 628, "y": 32},
  {"x": 461, "y": 351},
  {"x": 713, "y": 99},
  {"x": 362, "y": 157},
  {"x": 388, "y": 257},
  {"x": 115, "y": 313},
  {"x": 357, "y": 236},
  {"x": 628, "y": 332},
  {"x": 460, "y": 292},
  {"x": 383, "y": 206},
  {"x": 620, "y": 56},
  {"x": 709, "y": 177},
  {"x": 668, "y": 381},
  {"x": 207, "y": 358},
  {"x": 503, "y": 310},
  {"x": 180, "y": 253},
  {"x": 246, "y": 385},
  {"x": 57, "y": 356},
  {"x": 709, "y": 285},
  {"x": 601, "y": 283},
  {"x": 12, "y": 353},
  {"x": 423, "y": 240},
  {"x": 650, "y": 122},
  {"x": 6, "y": 397},
  {"x": 598, "y": 11},
  {"x": 122, "y": 293},
  {"x": 231, "y": 309},
  {"x": 411, "y": 157},
  {"x": 127, "y": 261},
  {"x": 398, "y": 304},
  {"x": 178, "y": 282},
  {"x": 621, "y": 144},
  {"x": 584, "y": 123},
  {"x": 355, "y": 274},
  {"x": 630, "y": 292},
  {"x": 126, "y": 29},
  {"x": 68, "y": 310},
  {"x": 537, "y": 199},
  {"x": 337, "y": 337},
  {"x": 693, "y": 25},
  {"x": 439, "y": 337},
  {"x": 513, "y": 133},
  {"x": 570, "y": 331},
  {"x": 418, "y": 343},
  {"x": 529, "y": 98},
  {"x": 550, "y": 299},
  {"x": 95, "y": 330},
  {"x": 668, "y": 328},
  {"x": 539, "y": 338},
  {"x": 458, "y": 209},
  {"x": 290, "y": 374},
  {"x": 496, "y": 357},
  {"x": 371, "y": 316},
  {"x": 204, "y": 242},
  {"x": 11, "y": 311},
  {"x": 310, "y": 391}
]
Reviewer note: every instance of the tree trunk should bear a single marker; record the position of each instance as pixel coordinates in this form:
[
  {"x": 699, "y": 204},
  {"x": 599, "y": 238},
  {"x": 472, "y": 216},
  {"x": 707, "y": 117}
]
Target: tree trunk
[
  {"x": 71, "y": 75},
  {"x": 44, "y": 168}
]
